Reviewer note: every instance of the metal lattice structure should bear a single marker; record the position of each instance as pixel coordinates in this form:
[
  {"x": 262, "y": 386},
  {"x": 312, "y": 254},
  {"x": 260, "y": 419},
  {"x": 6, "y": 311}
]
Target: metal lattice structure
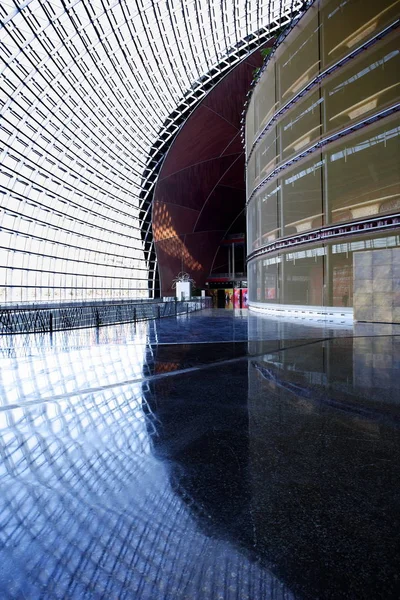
[{"x": 92, "y": 94}]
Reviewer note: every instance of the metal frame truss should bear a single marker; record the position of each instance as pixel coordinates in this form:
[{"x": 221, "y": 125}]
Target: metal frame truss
[{"x": 93, "y": 94}]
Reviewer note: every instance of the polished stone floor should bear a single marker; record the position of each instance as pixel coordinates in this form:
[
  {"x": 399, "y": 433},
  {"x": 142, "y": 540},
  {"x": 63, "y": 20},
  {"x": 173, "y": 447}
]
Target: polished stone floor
[{"x": 220, "y": 455}]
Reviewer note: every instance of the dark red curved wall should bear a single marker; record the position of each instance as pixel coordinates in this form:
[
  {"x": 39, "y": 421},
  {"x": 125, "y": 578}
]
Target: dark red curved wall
[{"x": 201, "y": 186}]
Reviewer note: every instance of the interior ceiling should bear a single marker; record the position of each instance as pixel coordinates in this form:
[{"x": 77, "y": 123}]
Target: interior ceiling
[
  {"x": 91, "y": 92},
  {"x": 200, "y": 193}
]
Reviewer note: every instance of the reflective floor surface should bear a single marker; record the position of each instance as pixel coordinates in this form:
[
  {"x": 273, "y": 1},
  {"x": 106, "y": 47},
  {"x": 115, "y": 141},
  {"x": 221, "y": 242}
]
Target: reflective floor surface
[{"x": 219, "y": 455}]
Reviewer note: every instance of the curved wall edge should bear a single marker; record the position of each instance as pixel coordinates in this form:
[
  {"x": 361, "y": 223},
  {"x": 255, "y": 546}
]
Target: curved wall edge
[
  {"x": 322, "y": 176},
  {"x": 325, "y": 313}
]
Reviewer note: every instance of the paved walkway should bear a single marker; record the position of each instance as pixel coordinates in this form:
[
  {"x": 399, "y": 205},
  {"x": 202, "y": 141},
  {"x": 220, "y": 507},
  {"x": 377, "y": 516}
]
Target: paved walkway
[{"x": 219, "y": 455}]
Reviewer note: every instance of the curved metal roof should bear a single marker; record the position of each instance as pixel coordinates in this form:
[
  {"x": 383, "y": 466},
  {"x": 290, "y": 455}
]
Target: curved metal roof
[{"x": 92, "y": 92}]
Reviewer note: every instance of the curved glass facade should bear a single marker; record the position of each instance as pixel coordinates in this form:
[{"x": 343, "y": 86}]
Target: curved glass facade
[
  {"x": 91, "y": 92},
  {"x": 323, "y": 147},
  {"x": 314, "y": 275}
]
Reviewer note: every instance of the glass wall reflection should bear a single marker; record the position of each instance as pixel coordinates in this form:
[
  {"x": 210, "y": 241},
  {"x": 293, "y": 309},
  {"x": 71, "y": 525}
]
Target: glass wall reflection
[
  {"x": 117, "y": 484},
  {"x": 354, "y": 176},
  {"x": 357, "y": 177},
  {"x": 323, "y": 37},
  {"x": 228, "y": 481},
  {"x": 317, "y": 276},
  {"x": 323, "y": 459}
]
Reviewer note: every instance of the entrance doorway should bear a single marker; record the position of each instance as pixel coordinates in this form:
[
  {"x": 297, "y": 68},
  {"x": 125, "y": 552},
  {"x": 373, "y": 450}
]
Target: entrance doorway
[{"x": 220, "y": 298}]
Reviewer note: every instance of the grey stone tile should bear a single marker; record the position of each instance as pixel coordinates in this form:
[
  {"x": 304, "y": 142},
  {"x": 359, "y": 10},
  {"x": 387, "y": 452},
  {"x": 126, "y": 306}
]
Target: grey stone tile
[
  {"x": 396, "y": 269},
  {"x": 384, "y": 329},
  {"x": 382, "y": 272},
  {"x": 363, "y": 286},
  {"x": 396, "y": 255},
  {"x": 361, "y": 345},
  {"x": 364, "y": 313},
  {"x": 380, "y": 345},
  {"x": 396, "y": 314},
  {"x": 362, "y": 258},
  {"x": 381, "y": 299},
  {"x": 362, "y": 300},
  {"x": 382, "y": 378},
  {"x": 381, "y": 257},
  {"x": 363, "y": 361},
  {"x": 363, "y": 272},
  {"x": 383, "y": 314},
  {"x": 382, "y": 285},
  {"x": 362, "y": 379},
  {"x": 382, "y": 361}
]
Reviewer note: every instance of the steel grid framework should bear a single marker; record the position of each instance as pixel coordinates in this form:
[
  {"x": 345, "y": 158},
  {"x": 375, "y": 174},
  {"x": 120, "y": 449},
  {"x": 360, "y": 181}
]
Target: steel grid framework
[{"x": 92, "y": 94}]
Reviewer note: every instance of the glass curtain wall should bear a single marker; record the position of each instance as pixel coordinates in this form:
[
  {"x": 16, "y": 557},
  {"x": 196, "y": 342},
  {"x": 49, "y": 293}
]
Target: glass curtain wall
[
  {"x": 322, "y": 148},
  {"x": 319, "y": 275}
]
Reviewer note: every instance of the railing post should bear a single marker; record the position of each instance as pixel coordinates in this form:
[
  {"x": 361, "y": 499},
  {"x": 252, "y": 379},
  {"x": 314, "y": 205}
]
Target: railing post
[{"x": 51, "y": 323}]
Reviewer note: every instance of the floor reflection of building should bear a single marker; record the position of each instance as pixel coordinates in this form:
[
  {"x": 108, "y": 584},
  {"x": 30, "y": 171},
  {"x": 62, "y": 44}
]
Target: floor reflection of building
[
  {"x": 201, "y": 433},
  {"x": 323, "y": 462},
  {"x": 281, "y": 470},
  {"x": 300, "y": 478},
  {"x": 376, "y": 363}
]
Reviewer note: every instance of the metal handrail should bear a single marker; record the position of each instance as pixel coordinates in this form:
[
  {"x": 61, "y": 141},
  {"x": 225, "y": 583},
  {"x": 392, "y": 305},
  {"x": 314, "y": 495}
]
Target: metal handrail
[{"x": 66, "y": 316}]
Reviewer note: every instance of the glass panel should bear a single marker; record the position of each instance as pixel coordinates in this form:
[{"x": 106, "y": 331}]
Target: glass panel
[
  {"x": 270, "y": 268},
  {"x": 83, "y": 119},
  {"x": 304, "y": 277},
  {"x": 253, "y": 226},
  {"x": 363, "y": 173},
  {"x": 342, "y": 265},
  {"x": 264, "y": 100},
  {"x": 258, "y": 281},
  {"x": 364, "y": 86},
  {"x": 269, "y": 198},
  {"x": 297, "y": 58},
  {"x": 302, "y": 197},
  {"x": 317, "y": 276},
  {"x": 300, "y": 126},
  {"x": 265, "y": 156},
  {"x": 263, "y": 220},
  {"x": 252, "y": 281},
  {"x": 250, "y": 125},
  {"x": 347, "y": 25},
  {"x": 251, "y": 174},
  {"x": 354, "y": 178},
  {"x": 341, "y": 269}
]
